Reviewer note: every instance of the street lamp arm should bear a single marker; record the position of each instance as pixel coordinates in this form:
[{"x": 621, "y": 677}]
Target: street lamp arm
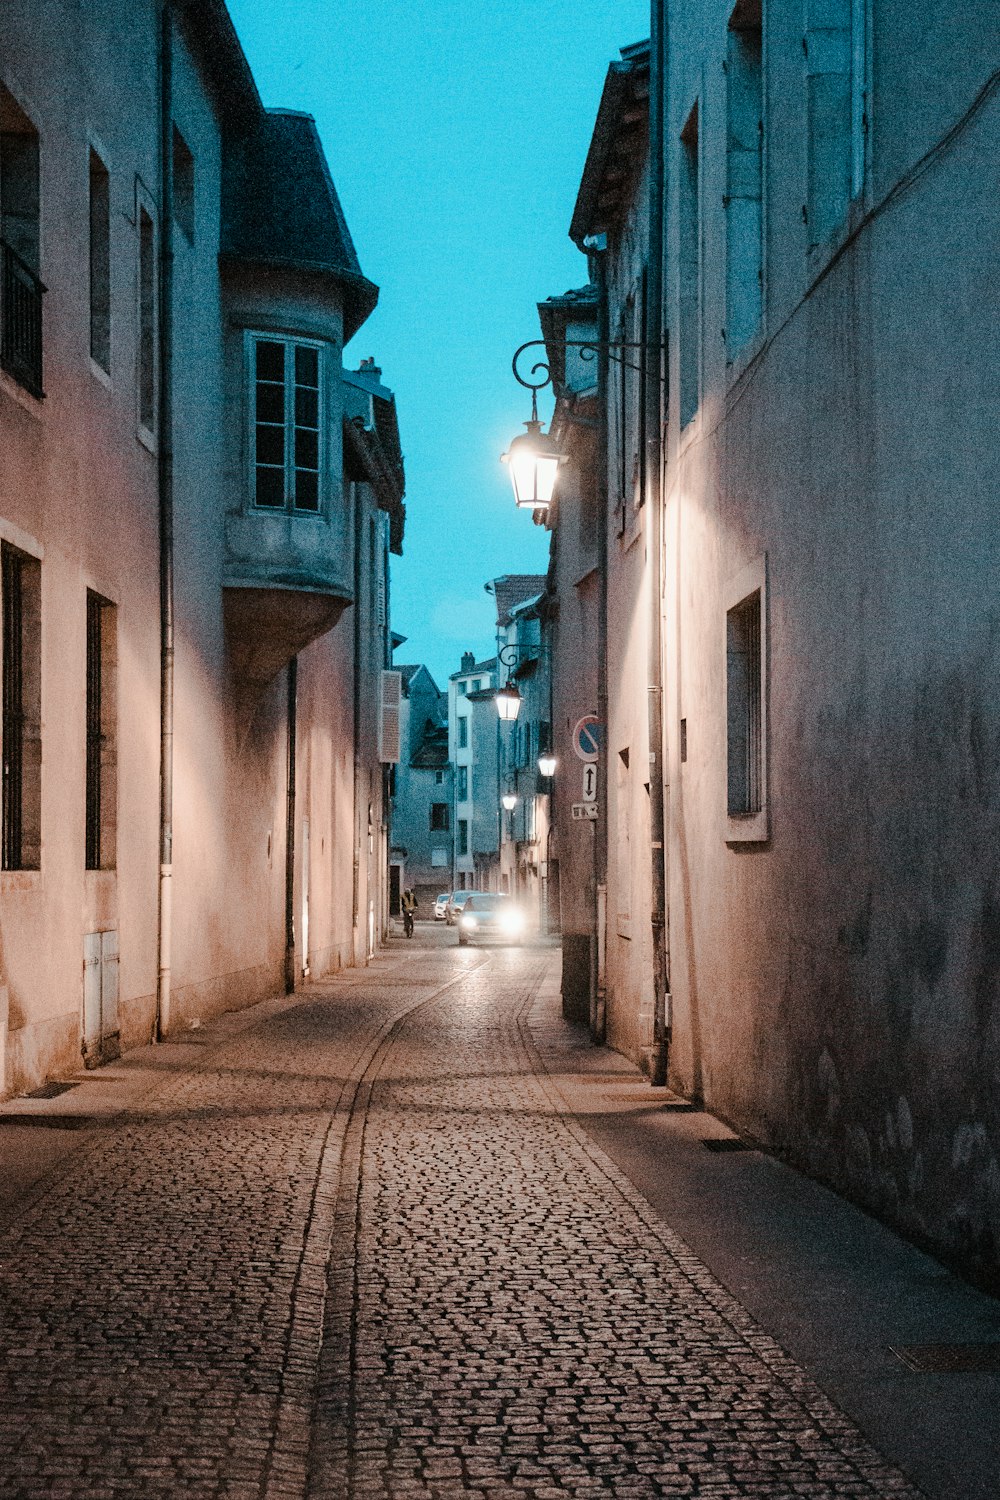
[{"x": 589, "y": 349}]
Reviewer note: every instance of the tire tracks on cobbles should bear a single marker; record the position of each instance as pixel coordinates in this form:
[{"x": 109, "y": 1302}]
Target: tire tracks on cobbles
[
  {"x": 162, "y": 1290},
  {"x": 508, "y": 1317}
]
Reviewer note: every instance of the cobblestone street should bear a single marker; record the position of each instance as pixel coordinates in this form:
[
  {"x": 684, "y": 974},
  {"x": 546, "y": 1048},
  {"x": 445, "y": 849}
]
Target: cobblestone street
[{"x": 355, "y": 1244}]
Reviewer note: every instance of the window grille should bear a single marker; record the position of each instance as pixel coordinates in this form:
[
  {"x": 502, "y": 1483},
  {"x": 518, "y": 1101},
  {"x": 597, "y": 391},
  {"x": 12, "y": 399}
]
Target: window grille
[{"x": 287, "y": 386}]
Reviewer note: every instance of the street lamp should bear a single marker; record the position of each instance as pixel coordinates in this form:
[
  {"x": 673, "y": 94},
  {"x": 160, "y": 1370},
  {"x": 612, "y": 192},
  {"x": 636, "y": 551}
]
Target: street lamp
[
  {"x": 547, "y": 764},
  {"x": 532, "y": 462},
  {"x": 509, "y": 801},
  {"x": 508, "y": 702}
]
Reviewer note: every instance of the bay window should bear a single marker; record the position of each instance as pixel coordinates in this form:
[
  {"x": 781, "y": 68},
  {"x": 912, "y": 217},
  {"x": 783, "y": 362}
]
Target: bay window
[{"x": 286, "y": 377}]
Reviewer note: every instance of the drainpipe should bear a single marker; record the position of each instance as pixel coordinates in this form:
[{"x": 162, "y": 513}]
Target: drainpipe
[
  {"x": 598, "y": 990},
  {"x": 165, "y": 484},
  {"x": 358, "y": 549},
  {"x": 653, "y": 460},
  {"x": 293, "y": 693}
]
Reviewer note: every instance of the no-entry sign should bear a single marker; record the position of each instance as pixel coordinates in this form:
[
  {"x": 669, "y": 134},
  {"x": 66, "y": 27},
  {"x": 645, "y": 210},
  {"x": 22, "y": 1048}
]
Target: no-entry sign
[{"x": 587, "y": 737}]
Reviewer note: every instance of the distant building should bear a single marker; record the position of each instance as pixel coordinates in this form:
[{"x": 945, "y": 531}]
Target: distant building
[
  {"x": 524, "y": 829},
  {"x": 472, "y": 735},
  {"x": 422, "y": 799}
]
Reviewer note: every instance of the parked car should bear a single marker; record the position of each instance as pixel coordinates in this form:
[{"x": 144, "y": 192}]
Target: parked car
[
  {"x": 490, "y": 914},
  {"x": 456, "y": 901},
  {"x": 440, "y": 903}
]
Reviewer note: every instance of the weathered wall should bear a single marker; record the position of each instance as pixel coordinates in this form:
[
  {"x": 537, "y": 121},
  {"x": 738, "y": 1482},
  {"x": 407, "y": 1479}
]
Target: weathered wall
[{"x": 836, "y": 986}]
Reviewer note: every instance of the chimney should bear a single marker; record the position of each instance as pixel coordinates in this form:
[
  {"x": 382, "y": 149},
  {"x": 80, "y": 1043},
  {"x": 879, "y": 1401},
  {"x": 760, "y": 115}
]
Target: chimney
[{"x": 468, "y": 661}]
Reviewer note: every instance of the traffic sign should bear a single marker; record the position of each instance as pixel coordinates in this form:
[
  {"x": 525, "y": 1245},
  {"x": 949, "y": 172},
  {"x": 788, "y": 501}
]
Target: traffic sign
[
  {"x": 589, "y": 781},
  {"x": 584, "y": 812},
  {"x": 587, "y": 737}
]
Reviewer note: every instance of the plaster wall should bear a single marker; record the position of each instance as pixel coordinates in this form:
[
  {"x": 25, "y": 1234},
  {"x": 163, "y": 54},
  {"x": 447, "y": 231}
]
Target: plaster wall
[
  {"x": 78, "y": 491},
  {"x": 625, "y": 761},
  {"x": 836, "y": 983}
]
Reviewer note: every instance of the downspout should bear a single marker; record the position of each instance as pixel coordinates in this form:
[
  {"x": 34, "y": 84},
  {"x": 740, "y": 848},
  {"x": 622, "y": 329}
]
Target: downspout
[
  {"x": 653, "y": 458},
  {"x": 598, "y": 989},
  {"x": 356, "y": 899},
  {"x": 165, "y": 485},
  {"x": 293, "y": 693}
]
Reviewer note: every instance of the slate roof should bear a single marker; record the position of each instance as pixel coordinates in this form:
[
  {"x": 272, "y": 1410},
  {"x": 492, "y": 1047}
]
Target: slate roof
[
  {"x": 513, "y": 589},
  {"x": 410, "y": 671},
  {"x": 280, "y": 207},
  {"x": 432, "y": 752},
  {"x": 554, "y": 314}
]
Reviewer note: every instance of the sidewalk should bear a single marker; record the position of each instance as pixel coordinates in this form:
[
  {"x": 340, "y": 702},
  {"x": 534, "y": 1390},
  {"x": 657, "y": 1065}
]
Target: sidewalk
[{"x": 835, "y": 1288}]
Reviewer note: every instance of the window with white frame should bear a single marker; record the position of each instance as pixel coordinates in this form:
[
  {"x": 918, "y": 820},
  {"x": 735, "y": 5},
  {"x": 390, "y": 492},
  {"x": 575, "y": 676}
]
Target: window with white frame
[{"x": 286, "y": 380}]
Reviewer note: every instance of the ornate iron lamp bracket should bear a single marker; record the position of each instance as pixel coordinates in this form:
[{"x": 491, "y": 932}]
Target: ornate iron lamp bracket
[{"x": 589, "y": 349}]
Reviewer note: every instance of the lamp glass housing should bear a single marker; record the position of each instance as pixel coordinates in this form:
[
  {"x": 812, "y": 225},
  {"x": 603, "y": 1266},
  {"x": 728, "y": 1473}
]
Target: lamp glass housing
[
  {"x": 547, "y": 765},
  {"x": 508, "y": 702},
  {"x": 533, "y": 463},
  {"x": 509, "y": 801}
]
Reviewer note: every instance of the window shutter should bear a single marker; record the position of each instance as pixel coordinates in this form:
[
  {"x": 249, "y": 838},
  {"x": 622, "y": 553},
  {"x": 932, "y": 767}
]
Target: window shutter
[{"x": 392, "y": 691}]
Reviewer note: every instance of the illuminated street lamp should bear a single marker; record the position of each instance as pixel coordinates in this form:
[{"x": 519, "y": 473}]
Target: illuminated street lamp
[
  {"x": 532, "y": 462},
  {"x": 547, "y": 764},
  {"x": 509, "y": 801},
  {"x": 508, "y": 702}
]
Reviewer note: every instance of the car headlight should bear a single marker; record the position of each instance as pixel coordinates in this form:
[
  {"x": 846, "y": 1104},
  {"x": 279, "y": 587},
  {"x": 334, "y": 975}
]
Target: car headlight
[
  {"x": 468, "y": 921},
  {"x": 512, "y": 921}
]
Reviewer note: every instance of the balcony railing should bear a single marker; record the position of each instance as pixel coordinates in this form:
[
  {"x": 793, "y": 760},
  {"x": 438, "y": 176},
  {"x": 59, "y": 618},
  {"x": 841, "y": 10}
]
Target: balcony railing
[{"x": 20, "y": 320}]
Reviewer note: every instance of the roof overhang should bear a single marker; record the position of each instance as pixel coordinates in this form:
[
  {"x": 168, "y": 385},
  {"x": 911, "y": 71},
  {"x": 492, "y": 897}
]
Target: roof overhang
[{"x": 619, "y": 139}]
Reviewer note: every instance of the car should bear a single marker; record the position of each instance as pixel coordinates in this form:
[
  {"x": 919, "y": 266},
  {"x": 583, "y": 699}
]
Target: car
[
  {"x": 490, "y": 914},
  {"x": 440, "y": 904},
  {"x": 456, "y": 901}
]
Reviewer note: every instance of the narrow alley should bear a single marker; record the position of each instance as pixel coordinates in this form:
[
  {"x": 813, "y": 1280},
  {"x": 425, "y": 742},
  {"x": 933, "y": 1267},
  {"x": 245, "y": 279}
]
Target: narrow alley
[{"x": 387, "y": 1238}]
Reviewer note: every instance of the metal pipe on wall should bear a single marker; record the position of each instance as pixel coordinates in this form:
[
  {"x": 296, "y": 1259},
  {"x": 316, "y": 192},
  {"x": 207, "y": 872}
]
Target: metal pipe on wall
[
  {"x": 653, "y": 462},
  {"x": 165, "y": 486},
  {"x": 598, "y": 997},
  {"x": 292, "y": 713}
]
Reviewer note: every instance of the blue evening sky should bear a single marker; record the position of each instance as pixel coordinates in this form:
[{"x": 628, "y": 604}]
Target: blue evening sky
[{"x": 456, "y": 133}]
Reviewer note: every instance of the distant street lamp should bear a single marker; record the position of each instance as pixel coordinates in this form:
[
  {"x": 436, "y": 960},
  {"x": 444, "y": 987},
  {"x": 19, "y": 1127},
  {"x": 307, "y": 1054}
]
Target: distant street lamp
[
  {"x": 509, "y": 801},
  {"x": 547, "y": 764}
]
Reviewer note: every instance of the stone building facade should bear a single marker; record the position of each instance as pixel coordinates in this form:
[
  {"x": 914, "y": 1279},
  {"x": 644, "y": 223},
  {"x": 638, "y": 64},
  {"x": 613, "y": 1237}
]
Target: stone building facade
[
  {"x": 823, "y": 570},
  {"x": 423, "y": 792},
  {"x": 196, "y": 513}
]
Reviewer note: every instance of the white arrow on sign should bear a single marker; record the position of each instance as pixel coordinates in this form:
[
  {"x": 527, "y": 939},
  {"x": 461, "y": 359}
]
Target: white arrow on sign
[{"x": 590, "y": 782}]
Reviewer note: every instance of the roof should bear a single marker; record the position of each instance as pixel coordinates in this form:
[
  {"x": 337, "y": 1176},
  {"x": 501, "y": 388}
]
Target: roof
[
  {"x": 513, "y": 589},
  {"x": 411, "y": 671},
  {"x": 432, "y": 752},
  {"x": 478, "y": 666},
  {"x": 280, "y": 207},
  {"x": 617, "y": 145},
  {"x": 555, "y": 315}
]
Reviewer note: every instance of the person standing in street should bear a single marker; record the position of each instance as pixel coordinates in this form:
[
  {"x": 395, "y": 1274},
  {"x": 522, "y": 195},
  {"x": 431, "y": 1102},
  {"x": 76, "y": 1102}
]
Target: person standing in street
[{"x": 410, "y": 905}]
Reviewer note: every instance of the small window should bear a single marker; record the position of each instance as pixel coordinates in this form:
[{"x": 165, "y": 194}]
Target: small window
[
  {"x": 463, "y": 784},
  {"x": 183, "y": 163},
  {"x": 286, "y": 377},
  {"x": 100, "y": 263},
  {"x": 438, "y": 778},
  {"x": 102, "y": 750},
  {"x": 463, "y": 836},
  {"x": 836, "y": 96},
  {"x": 20, "y": 580},
  {"x": 744, "y": 175},
  {"x": 20, "y": 247},
  {"x": 746, "y": 714},
  {"x": 463, "y": 733},
  {"x": 463, "y": 688},
  {"x": 690, "y": 270},
  {"x": 439, "y": 817},
  {"x": 146, "y": 342}
]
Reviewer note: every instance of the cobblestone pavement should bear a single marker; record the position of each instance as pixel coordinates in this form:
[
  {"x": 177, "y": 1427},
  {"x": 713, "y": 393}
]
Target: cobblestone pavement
[
  {"x": 161, "y": 1298},
  {"x": 360, "y": 1249},
  {"x": 508, "y": 1317}
]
